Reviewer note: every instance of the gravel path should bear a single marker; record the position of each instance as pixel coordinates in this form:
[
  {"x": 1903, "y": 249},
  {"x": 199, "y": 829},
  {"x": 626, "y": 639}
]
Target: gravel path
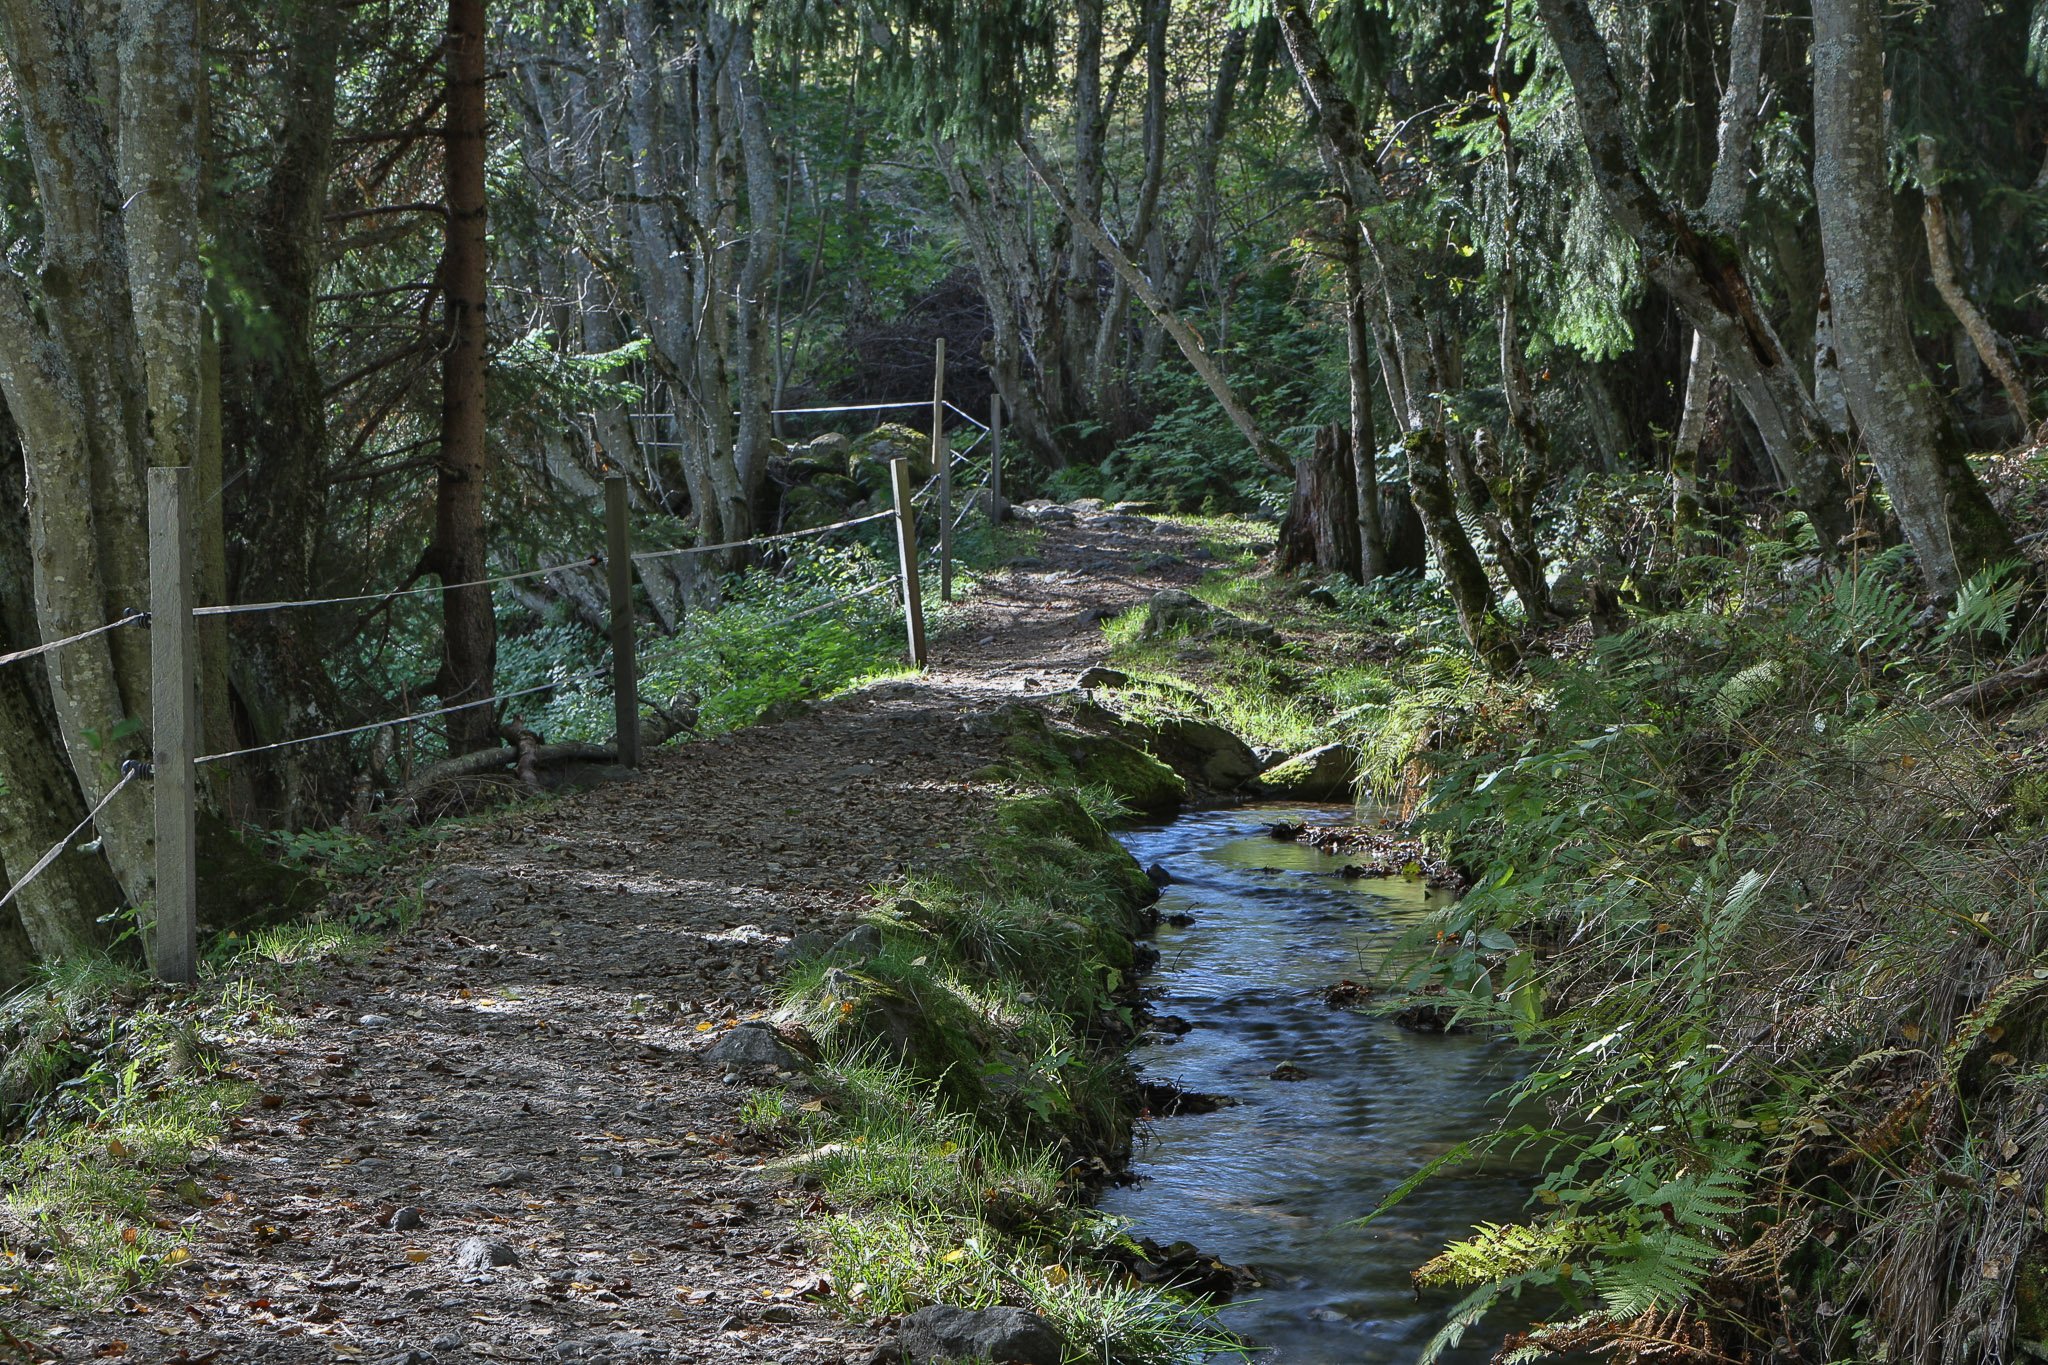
[{"x": 519, "y": 1079}]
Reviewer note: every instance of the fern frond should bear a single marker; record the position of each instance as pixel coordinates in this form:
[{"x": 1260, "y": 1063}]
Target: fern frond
[
  {"x": 1746, "y": 691},
  {"x": 1659, "y": 1270},
  {"x": 1499, "y": 1251}
]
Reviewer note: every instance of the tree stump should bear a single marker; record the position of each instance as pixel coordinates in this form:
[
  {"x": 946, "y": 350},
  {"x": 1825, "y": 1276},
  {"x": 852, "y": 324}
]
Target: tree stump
[{"x": 1321, "y": 527}]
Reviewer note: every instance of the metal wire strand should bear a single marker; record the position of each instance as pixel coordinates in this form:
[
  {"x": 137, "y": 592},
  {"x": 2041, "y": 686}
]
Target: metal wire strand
[
  {"x": 384, "y": 724},
  {"x": 246, "y": 608},
  {"x": 129, "y": 772},
  {"x": 647, "y": 555},
  {"x": 129, "y": 618}
]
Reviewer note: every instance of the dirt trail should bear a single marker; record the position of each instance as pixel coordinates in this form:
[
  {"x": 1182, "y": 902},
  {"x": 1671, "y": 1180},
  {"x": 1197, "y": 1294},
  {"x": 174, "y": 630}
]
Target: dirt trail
[{"x": 525, "y": 1067}]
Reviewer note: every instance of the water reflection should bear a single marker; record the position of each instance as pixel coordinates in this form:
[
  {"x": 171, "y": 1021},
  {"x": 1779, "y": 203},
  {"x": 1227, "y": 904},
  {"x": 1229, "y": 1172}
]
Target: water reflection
[{"x": 1276, "y": 1180}]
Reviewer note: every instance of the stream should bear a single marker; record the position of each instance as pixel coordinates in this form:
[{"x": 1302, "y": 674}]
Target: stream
[{"x": 1276, "y": 1180}]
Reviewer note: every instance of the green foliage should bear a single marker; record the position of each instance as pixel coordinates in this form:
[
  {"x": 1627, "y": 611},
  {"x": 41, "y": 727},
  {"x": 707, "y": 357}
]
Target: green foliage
[
  {"x": 1674, "y": 834},
  {"x": 772, "y": 637}
]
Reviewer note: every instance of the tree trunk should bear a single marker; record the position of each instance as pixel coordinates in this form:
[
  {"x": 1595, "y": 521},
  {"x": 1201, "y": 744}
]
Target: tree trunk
[
  {"x": 1364, "y": 440},
  {"x": 72, "y": 377},
  {"x": 753, "y": 372},
  {"x": 1504, "y": 503},
  {"x": 1516, "y": 478},
  {"x": 980, "y": 208},
  {"x": 1410, "y": 365},
  {"x": 60, "y": 912},
  {"x": 1990, "y": 347},
  {"x": 1704, "y": 277},
  {"x": 1320, "y": 530},
  {"x": 1200, "y": 243},
  {"x": 275, "y": 426},
  {"x": 1106, "y": 360},
  {"x": 1919, "y": 454},
  {"x": 1430, "y": 485},
  {"x": 1727, "y": 193},
  {"x": 460, "y": 547},
  {"x": 1198, "y": 356}
]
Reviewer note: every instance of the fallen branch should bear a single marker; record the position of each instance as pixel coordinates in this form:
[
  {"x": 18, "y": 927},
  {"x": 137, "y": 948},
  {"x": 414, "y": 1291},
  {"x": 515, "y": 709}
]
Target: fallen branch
[
  {"x": 529, "y": 757},
  {"x": 1992, "y": 692}
]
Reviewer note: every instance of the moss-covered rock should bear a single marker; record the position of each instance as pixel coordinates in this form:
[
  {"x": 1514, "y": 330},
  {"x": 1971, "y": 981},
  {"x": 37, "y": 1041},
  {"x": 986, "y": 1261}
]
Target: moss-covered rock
[
  {"x": 1036, "y": 750},
  {"x": 867, "y": 459},
  {"x": 808, "y": 505},
  {"x": 1324, "y": 774},
  {"x": 1174, "y": 612},
  {"x": 1206, "y": 755},
  {"x": 241, "y": 887},
  {"x": 826, "y": 454}
]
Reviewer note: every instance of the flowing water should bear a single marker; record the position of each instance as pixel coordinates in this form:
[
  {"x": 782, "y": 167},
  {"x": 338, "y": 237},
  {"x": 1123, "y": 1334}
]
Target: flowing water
[{"x": 1277, "y": 1180}]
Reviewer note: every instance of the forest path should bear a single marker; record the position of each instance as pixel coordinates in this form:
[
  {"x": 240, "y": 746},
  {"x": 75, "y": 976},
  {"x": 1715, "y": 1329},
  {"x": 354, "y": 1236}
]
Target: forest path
[{"x": 524, "y": 1066}]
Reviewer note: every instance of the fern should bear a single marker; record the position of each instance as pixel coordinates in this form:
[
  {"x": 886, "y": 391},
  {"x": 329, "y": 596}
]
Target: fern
[
  {"x": 1864, "y": 611},
  {"x": 1986, "y": 605},
  {"x": 1746, "y": 691},
  {"x": 1658, "y": 1269},
  {"x": 1503, "y": 1251},
  {"x": 1984, "y": 1019}
]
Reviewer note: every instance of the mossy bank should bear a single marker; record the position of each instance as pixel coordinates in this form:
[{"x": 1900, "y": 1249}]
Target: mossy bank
[{"x": 969, "y": 1086}]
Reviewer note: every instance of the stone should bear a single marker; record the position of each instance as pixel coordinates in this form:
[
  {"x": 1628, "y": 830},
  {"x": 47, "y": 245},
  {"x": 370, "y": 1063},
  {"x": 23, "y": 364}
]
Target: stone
[
  {"x": 752, "y": 1044},
  {"x": 1005, "y": 1336},
  {"x": 1173, "y": 612},
  {"x": 484, "y": 1253},
  {"x": 802, "y": 946},
  {"x": 1322, "y": 774},
  {"x": 1041, "y": 512},
  {"x": 1099, "y": 676},
  {"x": 828, "y": 451},
  {"x": 1206, "y": 753},
  {"x": 406, "y": 1219},
  {"x": 861, "y": 942},
  {"x": 821, "y": 503},
  {"x": 868, "y": 456}
]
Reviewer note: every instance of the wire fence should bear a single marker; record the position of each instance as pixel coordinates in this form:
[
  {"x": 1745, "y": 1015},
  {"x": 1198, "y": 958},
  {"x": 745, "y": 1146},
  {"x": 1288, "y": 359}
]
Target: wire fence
[
  {"x": 130, "y": 771},
  {"x": 131, "y": 617},
  {"x": 172, "y": 614}
]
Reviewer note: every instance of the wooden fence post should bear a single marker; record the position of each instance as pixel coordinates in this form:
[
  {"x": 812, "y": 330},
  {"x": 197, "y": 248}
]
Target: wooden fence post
[
  {"x": 906, "y": 555},
  {"x": 942, "y": 465},
  {"x": 995, "y": 457},
  {"x": 618, "y": 558},
  {"x": 174, "y": 724}
]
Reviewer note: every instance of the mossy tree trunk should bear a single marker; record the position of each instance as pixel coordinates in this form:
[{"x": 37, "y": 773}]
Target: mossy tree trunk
[{"x": 1913, "y": 440}]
